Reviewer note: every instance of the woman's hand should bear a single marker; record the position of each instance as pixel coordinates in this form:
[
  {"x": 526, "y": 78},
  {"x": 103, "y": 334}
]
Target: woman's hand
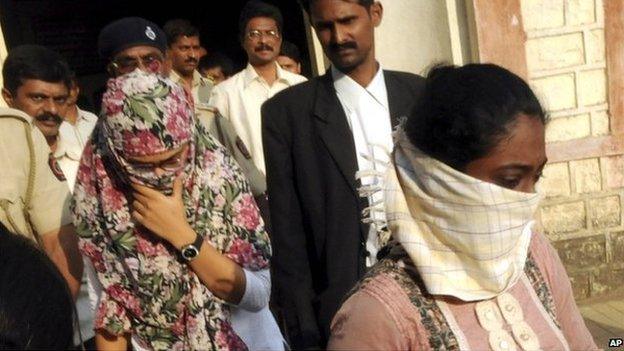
[{"x": 163, "y": 215}]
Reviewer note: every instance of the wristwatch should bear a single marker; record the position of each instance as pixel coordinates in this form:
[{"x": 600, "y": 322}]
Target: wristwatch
[{"x": 190, "y": 251}]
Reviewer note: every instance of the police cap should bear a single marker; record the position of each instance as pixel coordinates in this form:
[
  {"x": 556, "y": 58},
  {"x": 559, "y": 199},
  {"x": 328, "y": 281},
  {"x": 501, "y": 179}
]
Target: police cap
[{"x": 128, "y": 32}]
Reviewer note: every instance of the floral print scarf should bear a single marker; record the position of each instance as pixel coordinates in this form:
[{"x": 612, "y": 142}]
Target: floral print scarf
[{"x": 149, "y": 292}]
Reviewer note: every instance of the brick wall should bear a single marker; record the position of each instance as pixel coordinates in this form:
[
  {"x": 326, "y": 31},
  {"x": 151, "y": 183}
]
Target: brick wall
[{"x": 582, "y": 212}]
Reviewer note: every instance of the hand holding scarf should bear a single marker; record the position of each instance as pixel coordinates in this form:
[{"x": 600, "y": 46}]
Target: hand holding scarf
[{"x": 149, "y": 291}]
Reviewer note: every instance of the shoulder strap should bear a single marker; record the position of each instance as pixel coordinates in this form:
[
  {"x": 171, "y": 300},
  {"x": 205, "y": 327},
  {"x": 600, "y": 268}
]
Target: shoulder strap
[
  {"x": 32, "y": 169},
  {"x": 218, "y": 117},
  {"x": 32, "y": 172}
]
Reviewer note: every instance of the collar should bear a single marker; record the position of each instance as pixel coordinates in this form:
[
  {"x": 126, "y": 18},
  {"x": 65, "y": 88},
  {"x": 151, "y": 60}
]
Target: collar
[
  {"x": 18, "y": 114},
  {"x": 62, "y": 148},
  {"x": 351, "y": 91},
  {"x": 250, "y": 75},
  {"x": 197, "y": 77},
  {"x": 69, "y": 146},
  {"x": 84, "y": 116}
]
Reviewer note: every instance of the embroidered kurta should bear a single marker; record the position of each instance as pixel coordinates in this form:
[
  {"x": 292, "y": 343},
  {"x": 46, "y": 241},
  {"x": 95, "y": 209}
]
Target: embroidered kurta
[{"x": 381, "y": 315}]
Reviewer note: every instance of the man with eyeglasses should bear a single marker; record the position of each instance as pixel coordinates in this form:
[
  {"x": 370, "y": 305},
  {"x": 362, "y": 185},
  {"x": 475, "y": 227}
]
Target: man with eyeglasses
[
  {"x": 239, "y": 98},
  {"x": 130, "y": 43},
  {"x": 134, "y": 42}
]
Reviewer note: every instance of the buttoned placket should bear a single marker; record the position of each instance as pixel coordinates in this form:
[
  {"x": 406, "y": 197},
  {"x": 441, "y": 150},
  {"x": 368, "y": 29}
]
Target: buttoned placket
[{"x": 491, "y": 317}]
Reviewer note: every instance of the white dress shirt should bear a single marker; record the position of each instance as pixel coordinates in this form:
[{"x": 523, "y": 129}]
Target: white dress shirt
[
  {"x": 72, "y": 140},
  {"x": 239, "y": 99},
  {"x": 368, "y": 115}
]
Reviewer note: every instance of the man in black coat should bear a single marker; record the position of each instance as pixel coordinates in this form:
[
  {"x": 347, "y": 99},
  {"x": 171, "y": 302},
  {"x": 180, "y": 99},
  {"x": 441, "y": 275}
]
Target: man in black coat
[{"x": 314, "y": 135}]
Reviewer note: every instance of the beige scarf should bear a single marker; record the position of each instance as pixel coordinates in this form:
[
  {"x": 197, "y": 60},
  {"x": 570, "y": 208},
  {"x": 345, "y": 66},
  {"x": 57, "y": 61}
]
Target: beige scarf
[{"x": 467, "y": 238}]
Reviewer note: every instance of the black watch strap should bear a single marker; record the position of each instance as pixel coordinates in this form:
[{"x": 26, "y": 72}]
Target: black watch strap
[{"x": 190, "y": 251}]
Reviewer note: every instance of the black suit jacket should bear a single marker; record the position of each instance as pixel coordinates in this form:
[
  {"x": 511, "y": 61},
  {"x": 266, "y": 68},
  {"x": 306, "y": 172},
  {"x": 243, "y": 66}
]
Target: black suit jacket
[{"x": 318, "y": 237}]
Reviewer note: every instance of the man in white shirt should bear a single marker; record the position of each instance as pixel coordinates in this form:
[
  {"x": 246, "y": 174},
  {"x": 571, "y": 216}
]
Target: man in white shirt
[
  {"x": 326, "y": 143},
  {"x": 74, "y": 133},
  {"x": 239, "y": 98}
]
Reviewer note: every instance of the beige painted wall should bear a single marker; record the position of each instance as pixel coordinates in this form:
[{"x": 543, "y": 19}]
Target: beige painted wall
[{"x": 414, "y": 34}]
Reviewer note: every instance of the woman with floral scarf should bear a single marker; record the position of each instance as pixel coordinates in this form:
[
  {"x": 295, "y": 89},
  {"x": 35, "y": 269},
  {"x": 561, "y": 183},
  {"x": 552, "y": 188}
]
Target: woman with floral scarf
[
  {"x": 169, "y": 223},
  {"x": 465, "y": 268}
]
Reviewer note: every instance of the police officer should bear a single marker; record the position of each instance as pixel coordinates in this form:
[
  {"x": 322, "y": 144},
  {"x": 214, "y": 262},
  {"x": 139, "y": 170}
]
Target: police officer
[
  {"x": 183, "y": 49},
  {"x": 34, "y": 196},
  {"x": 134, "y": 42}
]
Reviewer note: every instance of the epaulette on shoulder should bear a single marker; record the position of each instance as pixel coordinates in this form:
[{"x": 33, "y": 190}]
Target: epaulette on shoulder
[
  {"x": 6, "y": 112},
  {"x": 207, "y": 81}
]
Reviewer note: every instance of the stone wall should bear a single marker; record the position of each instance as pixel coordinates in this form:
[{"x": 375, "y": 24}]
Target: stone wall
[{"x": 582, "y": 212}]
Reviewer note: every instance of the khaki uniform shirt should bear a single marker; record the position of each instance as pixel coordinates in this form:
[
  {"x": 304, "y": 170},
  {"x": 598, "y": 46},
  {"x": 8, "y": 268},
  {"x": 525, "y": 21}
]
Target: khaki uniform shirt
[
  {"x": 49, "y": 205},
  {"x": 201, "y": 86},
  {"x": 221, "y": 128}
]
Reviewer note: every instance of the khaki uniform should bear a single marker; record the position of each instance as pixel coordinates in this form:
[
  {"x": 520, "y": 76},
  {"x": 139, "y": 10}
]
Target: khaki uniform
[
  {"x": 201, "y": 86},
  {"x": 221, "y": 128},
  {"x": 34, "y": 197}
]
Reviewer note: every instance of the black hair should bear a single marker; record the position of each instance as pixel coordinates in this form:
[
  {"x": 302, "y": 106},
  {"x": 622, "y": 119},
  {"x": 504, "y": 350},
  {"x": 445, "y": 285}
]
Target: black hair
[
  {"x": 464, "y": 112},
  {"x": 34, "y": 62},
  {"x": 290, "y": 50},
  {"x": 36, "y": 307},
  {"x": 217, "y": 59},
  {"x": 257, "y": 8},
  {"x": 176, "y": 28},
  {"x": 306, "y": 4}
]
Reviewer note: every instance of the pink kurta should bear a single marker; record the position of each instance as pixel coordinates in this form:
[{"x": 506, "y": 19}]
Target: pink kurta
[{"x": 381, "y": 316}]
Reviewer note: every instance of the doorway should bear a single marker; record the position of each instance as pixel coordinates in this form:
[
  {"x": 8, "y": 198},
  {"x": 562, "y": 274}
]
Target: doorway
[{"x": 71, "y": 27}]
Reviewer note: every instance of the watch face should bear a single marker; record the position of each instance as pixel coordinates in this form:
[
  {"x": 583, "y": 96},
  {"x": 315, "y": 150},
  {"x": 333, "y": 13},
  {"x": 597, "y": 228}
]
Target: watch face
[{"x": 190, "y": 252}]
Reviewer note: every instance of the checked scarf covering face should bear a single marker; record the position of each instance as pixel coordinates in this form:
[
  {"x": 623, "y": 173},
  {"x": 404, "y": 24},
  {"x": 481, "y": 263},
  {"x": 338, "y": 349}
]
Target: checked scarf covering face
[
  {"x": 466, "y": 238},
  {"x": 149, "y": 291}
]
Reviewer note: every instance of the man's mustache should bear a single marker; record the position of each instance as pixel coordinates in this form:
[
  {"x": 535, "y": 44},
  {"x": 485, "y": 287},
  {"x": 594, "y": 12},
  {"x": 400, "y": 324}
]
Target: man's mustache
[
  {"x": 263, "y": 47},
  {"x": 191, "y": 60},
  {"x": 44, "y": 117},
  {"x": 342, "y": 46}
]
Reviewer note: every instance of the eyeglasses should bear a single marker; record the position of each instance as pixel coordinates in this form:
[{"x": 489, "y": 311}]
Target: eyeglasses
[
  {"x": 172, "y": 164},
  {"x": 256, "y": 34},
  {"x": 150, "y": 62}
]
